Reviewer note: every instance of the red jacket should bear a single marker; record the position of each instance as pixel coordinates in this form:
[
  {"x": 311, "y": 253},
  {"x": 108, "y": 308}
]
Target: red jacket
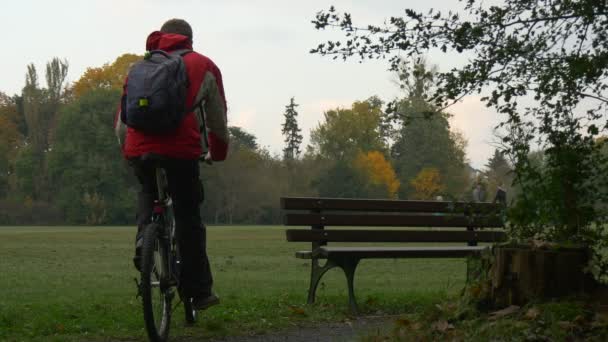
[{"x": 206, "y": 84}]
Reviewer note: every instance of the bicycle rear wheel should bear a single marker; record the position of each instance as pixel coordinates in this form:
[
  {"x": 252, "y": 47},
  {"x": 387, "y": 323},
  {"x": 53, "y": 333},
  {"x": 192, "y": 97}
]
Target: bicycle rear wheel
[{"x": 155, "y": 292}]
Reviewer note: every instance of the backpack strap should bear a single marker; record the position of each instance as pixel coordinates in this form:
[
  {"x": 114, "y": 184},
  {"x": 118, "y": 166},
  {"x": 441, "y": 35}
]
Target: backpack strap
[
  {"x": 152, "y": 52},
  {"x": 181, "y": 52}
]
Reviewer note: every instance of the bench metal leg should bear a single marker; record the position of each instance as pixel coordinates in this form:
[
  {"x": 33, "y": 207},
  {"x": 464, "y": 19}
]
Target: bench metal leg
[
  {"x": 316, "y": 273},
  {"x": 349, "y": 265}
]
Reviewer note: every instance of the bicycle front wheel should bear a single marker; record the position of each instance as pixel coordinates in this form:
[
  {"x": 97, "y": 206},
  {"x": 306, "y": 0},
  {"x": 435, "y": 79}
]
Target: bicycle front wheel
[{"x": 155, "y": 290}]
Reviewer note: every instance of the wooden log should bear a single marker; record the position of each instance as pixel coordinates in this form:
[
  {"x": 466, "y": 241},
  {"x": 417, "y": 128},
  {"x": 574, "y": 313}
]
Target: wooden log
[{"x": 521, "y": 274}]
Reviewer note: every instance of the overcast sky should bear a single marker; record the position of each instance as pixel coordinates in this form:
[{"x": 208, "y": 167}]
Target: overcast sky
[{"x": 261, "y": 48}]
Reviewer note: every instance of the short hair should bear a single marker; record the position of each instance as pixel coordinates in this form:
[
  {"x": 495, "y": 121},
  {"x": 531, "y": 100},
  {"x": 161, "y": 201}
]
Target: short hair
[{"x": 178, "y": 26}]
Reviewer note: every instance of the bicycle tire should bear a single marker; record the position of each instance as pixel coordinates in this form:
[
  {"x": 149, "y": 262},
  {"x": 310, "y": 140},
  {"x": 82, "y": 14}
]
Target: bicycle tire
[
  {"x": 189, "y": 312},
  {"x": 156, "y": 300}
]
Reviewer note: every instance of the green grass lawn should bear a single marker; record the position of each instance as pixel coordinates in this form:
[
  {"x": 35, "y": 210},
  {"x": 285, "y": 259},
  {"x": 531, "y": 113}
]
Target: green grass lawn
[{"x": 76, "y": 283}]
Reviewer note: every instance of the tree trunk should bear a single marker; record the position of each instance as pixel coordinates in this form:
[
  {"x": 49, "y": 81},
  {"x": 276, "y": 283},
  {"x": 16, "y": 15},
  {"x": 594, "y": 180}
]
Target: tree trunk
[{"x": 520, "y": 274}]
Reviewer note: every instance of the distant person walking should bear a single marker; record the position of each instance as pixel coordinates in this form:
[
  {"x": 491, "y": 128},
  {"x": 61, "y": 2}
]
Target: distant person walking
[
  {"x": 501, "y": 195},
  {"x": 202, "y": 97},
  {"x": 479, "y": 191}
]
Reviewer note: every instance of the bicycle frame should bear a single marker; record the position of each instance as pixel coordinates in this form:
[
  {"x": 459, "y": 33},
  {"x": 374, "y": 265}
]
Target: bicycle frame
[{"x": 159, "y": 215}]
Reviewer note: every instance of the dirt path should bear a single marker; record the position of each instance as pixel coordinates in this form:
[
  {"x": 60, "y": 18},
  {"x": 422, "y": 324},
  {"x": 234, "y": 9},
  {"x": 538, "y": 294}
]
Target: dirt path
[{"x": 344, "y": 331}]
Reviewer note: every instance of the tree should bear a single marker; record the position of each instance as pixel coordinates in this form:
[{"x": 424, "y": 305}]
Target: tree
[
  {"x": 245, "y": 187},
  {"x": 338, "y": 140},
  {"x": 40, "y": 108},
  {"x": 56, "y": 72},
  {"x": 239, "y": 138},
  {"x": 544, "y": 66},
  {"x": 10, "y": 141},
  {"x": 427, "y": 184},
  {"x": 379, "y": 177},
  {"x": 33, "y": 101},
  {"x": 345, "y": 132},
  {"x": 498, "y": 172},
  {"x": 423, "y": 138},
  {"x": 90, "y": 181},
  {"x": 108, "y": 76},
  {"x": 340, "y": 180},
  {"x": 291, "y": 132}
]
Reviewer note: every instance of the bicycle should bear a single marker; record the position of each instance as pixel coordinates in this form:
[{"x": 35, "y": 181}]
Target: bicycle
[{"x": 160, "y": 262}]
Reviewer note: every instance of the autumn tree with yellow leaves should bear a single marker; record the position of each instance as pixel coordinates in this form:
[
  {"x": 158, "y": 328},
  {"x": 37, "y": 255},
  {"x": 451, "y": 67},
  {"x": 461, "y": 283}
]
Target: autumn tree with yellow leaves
[
  {"x": 427, "y": 184},
  {"x": 108, "y": 77},
  {"x": 378, "y": 173}
]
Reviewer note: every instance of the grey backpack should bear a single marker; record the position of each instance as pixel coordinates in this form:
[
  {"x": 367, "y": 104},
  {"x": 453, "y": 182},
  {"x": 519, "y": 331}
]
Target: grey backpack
[{"x": 155, "y": 100}]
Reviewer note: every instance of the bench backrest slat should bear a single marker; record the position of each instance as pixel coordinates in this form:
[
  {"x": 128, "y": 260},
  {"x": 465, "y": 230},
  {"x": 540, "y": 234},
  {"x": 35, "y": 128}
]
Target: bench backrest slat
[
  {"x": 343, "y": 235},
  {"x": 403, "y": 206},
  {"x": 379, "y": 220},
  {"x": 459, "y": 221}
]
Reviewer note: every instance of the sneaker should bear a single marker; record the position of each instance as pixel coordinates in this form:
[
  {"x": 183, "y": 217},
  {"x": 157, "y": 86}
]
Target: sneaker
[
  {"x": 203, "y": 303},
  {"x": 139, "y": 242}
]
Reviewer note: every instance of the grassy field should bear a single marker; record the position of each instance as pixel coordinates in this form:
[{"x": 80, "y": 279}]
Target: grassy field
[{"x": 76, "y": 283}]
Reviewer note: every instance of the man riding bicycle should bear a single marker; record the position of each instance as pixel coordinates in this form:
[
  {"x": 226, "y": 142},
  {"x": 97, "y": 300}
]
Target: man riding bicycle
[{"x": 181, "y": 149}]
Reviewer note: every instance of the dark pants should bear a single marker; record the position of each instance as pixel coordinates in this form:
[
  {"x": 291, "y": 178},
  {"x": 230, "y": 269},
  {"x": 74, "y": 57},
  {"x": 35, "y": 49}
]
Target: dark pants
[{"x": 187, "y": 195}]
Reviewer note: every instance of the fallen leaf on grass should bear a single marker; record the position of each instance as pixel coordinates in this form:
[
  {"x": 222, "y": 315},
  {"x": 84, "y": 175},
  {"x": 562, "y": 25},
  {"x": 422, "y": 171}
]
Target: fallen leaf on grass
[
  {"x": 371, "y": 301},
  {"x": 532, "y": 314},
  {"x": 296, "y": 310},
  {"x": 580, "y": 320},
  {"x": 442, "y": 326},
  {"x": 504, "y": 312},
  {"x": 403, "y": 322},
  {"x": 475, "y": 291},
  {"x": 60, "y": 327}
]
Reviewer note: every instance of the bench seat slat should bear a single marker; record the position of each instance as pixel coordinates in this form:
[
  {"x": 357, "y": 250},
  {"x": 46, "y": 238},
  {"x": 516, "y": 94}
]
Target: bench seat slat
[
  {"x": 343, "y": 235},
  {"x": 305, "y": 203},
  {"x": 392, "y": 252},
  {"x": 444, "y": 221}
]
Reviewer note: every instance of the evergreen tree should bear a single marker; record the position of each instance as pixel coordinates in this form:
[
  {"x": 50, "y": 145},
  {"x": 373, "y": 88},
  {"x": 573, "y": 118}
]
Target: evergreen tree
[
  {"x": 291, "y": 131},
  {"x": 498, "y": 166},
  {"x": 499, "y": 173},
  {"x": 424, "y": 139},
  {"x": 240, "y": 138}
]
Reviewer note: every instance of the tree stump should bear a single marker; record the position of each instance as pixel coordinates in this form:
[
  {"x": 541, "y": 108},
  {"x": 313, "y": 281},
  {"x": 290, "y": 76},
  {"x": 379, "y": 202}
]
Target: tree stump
[{"x": 522, "y": 273}]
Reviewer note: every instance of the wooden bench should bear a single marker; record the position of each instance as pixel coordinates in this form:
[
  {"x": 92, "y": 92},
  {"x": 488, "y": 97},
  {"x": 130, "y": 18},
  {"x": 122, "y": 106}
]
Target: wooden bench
[{"x": 459, "y": 222}]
